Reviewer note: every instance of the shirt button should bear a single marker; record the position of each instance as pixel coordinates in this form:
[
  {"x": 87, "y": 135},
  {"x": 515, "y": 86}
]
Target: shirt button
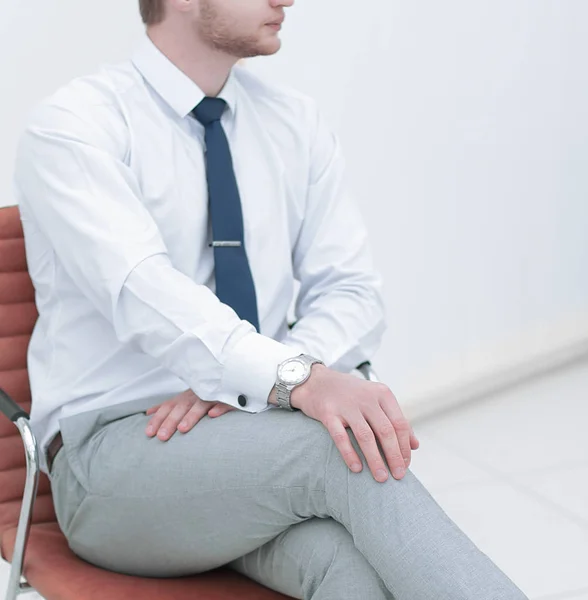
[{"x": 242, "y": 400}]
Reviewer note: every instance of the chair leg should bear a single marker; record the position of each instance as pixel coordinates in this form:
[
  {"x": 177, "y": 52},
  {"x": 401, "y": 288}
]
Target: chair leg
[{"x": 21, "y": 419}]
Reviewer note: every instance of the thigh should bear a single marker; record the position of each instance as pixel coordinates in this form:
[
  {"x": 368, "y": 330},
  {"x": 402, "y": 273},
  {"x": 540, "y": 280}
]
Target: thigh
[
  {"x": 67, "y": 493},
  {"x": 200, "y": 499},
  {"x": 312, "y": 559}
]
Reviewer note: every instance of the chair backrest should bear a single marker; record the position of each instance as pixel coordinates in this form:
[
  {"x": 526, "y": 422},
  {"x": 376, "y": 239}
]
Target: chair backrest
[{"x": 18, "y": 314}]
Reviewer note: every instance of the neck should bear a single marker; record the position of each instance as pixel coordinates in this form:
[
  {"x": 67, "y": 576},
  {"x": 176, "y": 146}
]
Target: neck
[{"x": 206, "y": 67}]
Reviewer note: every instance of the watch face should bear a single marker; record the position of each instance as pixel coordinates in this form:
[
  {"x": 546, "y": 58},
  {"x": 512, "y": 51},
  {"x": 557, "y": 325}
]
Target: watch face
[{"x": 292, "y": 372}]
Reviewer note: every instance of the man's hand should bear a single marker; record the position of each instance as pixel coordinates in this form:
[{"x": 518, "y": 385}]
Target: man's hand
[
  {"x": 181, "y": 412},
  {"x": 339, "y": 400}
]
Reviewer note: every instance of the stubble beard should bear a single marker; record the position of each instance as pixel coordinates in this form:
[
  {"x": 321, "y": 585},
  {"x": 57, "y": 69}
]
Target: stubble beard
[{"x": 214, "y": 30}]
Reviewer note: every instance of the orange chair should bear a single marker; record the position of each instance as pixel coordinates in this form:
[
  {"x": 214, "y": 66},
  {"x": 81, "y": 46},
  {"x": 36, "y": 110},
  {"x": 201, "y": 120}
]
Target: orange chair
[{"x": 27, "y": 516}]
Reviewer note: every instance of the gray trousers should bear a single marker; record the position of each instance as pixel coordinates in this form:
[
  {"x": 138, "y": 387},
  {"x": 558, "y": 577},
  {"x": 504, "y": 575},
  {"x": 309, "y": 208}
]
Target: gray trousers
[{"x": 267, "y": 494}]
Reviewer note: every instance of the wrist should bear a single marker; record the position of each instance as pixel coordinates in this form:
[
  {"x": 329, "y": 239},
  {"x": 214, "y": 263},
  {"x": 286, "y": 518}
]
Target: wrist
[{"x": 301, "y": 392}]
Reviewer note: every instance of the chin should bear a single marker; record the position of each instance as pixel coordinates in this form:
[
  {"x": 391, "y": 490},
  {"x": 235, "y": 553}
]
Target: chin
[
  {"x": 270, "y": 47},
  {"x": 260, "y": 50}
]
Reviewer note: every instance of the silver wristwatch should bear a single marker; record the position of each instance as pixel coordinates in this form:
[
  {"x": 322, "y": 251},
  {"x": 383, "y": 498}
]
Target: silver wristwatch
[{"x": 292, "y": 372}]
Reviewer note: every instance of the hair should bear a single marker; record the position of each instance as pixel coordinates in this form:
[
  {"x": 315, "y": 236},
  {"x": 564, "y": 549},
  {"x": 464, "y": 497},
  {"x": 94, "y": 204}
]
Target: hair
[{"x": 152, "y": 11}]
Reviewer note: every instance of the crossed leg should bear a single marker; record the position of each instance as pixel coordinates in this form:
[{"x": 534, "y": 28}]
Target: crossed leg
[{"x": 233, "y": 484}]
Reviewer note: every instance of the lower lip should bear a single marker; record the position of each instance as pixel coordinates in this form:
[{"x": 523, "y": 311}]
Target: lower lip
[{"x": 275, "y": 26}]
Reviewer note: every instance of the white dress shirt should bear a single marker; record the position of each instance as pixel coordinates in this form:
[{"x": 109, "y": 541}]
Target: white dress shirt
[{"x": 111, "y": 182}]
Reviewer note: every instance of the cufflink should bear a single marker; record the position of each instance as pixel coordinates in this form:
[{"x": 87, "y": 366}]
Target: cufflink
[{"x": 242, "y": 400}]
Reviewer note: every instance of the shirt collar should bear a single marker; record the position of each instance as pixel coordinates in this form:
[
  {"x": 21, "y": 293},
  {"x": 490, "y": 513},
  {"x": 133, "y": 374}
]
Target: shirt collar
[{"x": 172, "y": 84}]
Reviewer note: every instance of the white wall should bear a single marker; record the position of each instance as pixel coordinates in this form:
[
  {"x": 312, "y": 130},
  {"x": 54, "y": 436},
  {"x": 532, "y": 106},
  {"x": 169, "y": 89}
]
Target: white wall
[{"x": 466, "y": 131}]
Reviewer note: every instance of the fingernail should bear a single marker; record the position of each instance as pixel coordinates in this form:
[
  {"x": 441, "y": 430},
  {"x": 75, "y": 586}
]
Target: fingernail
[
  {"x": 398, "y": 472},
  {"x": 381, "y": 474},
  {"x": 149, "y": 430},
  {"x": 356, "y": 467},
  {"x": 163, "y": 432},
  {"x": 183, "y": 424}
]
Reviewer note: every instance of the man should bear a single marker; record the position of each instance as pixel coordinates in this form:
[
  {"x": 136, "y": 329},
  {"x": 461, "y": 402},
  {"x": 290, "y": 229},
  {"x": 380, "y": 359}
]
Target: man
[{"x": 168, "y": 204}]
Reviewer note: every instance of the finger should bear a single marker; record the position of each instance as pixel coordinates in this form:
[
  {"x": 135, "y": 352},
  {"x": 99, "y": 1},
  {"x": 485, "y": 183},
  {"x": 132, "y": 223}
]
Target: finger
[
  {"x": 220, "y": 408},
  {"x": 158, "y": 418},
  {"x": 152, "y": 410},
  {"x": 171, "y": 422},
  {"x": 341, "y": 438},
  {"x": 390, "y": 436},
  {"x": 402, "y": 427},
  {"x": 414, "y": 441},
  {"x": 193, "y": 416},
  {"x": 366, "y": 438}
]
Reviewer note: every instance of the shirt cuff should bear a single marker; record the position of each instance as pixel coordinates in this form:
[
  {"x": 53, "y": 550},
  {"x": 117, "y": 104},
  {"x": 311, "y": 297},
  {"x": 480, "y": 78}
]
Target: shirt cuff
[{"x": 251, "y": 370}]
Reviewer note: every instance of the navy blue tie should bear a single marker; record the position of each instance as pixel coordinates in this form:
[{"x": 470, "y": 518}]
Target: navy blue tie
[{"x": 234, "y": 282}]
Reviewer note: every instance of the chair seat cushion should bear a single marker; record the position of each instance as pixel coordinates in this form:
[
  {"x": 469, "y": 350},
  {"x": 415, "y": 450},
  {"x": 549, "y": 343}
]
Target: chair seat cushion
[{"x": 58, "y": 574}]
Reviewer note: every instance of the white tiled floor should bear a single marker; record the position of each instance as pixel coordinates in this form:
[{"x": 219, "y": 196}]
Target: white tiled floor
[{"x": 512, "y": 472}]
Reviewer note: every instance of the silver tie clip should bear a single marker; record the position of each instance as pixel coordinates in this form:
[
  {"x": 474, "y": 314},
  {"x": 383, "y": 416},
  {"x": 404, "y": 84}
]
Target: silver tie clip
[{"x": 217, "y": 244}]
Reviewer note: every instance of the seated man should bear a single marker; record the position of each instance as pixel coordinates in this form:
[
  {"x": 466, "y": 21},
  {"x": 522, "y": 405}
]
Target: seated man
[{"x": 168, "y": 203}]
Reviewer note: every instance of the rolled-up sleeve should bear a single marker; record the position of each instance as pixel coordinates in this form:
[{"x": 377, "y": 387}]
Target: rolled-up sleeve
[
  {"x": 339, "y": 309},
  {"x": 73, "y": 181}
]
